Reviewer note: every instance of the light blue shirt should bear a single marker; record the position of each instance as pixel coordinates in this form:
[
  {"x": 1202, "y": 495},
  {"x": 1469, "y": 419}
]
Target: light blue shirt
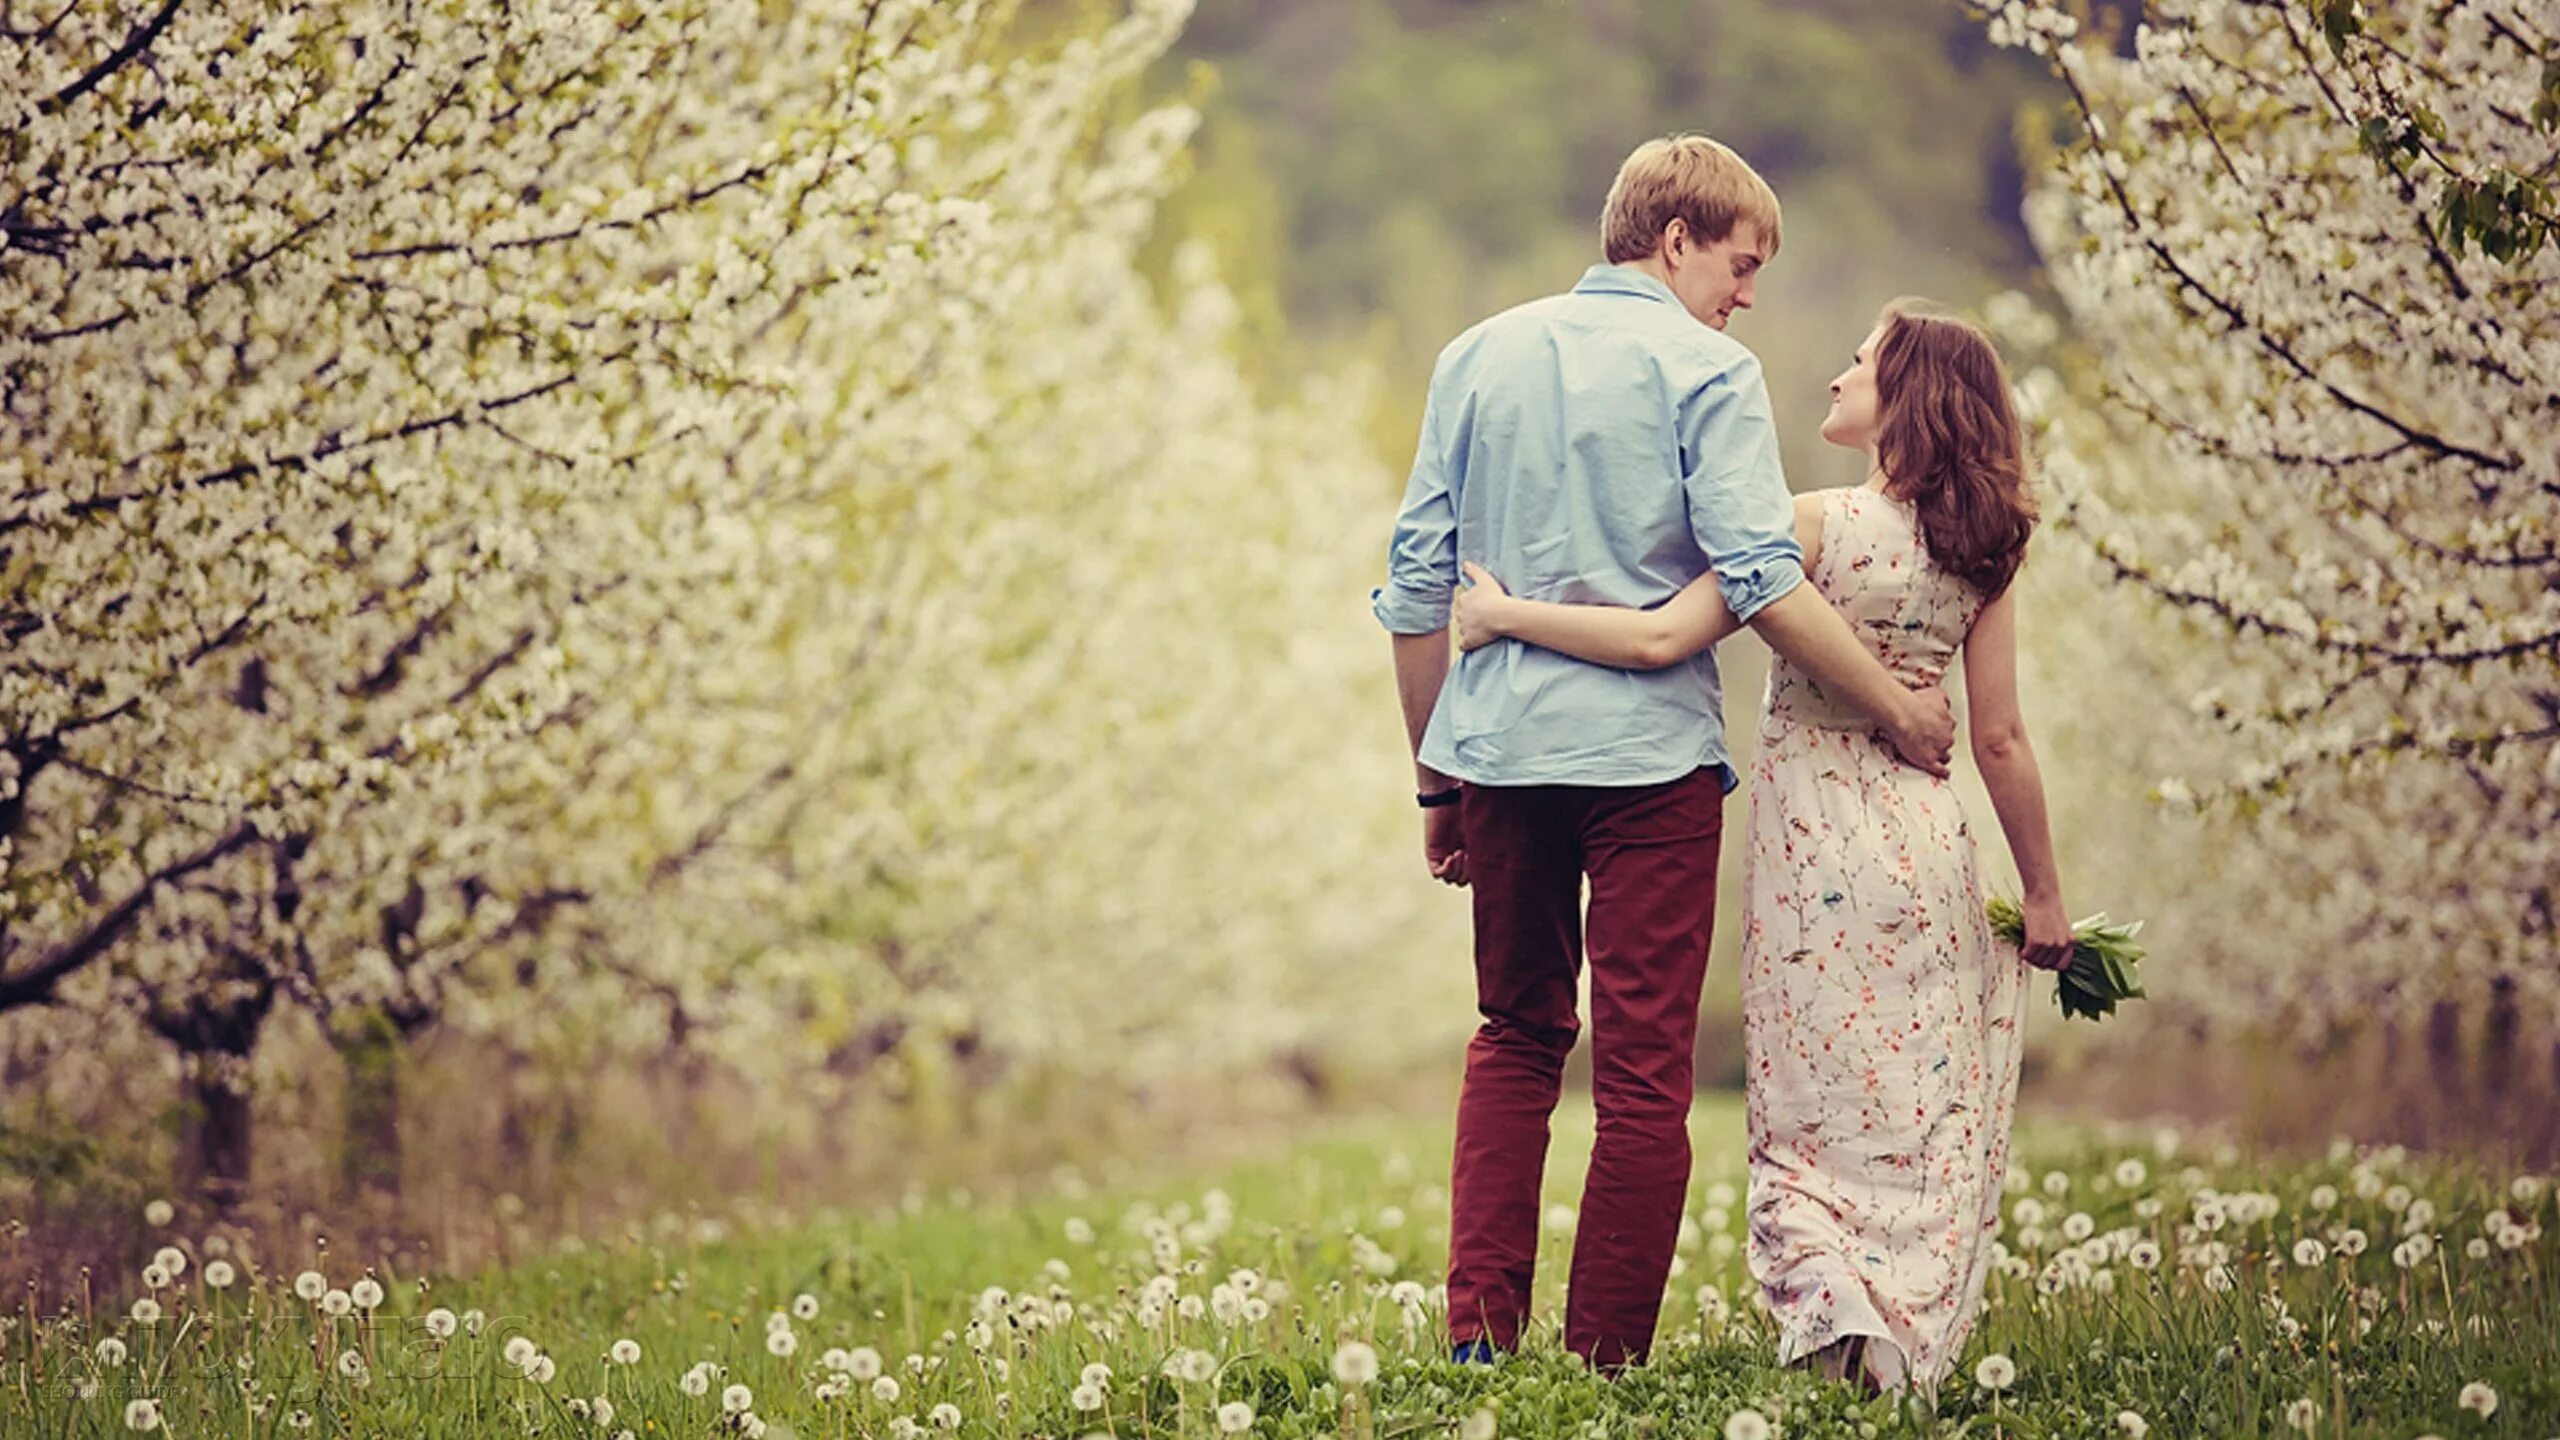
[{"x": 1597, "y": 447}]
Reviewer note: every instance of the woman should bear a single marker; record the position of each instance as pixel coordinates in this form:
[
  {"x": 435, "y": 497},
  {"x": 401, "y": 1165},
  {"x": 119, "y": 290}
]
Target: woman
[{"x": 1880, "y": 1017}]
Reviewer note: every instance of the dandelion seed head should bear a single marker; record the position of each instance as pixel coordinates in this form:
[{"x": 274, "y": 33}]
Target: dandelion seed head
[{"x": 1355, "y": 1364}]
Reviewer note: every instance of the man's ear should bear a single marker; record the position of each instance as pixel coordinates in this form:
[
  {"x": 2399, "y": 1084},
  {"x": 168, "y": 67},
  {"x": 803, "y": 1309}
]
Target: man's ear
[{"x": 1676, "y": 240}]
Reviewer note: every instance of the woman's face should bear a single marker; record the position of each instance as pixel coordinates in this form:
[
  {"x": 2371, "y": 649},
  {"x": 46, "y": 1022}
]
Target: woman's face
[{"x": 1852, "y": 421}]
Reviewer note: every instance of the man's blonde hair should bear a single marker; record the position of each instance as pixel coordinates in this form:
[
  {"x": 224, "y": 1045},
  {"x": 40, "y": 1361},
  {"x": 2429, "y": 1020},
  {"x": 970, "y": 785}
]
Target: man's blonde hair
[{"x": 1684, "y": 177}]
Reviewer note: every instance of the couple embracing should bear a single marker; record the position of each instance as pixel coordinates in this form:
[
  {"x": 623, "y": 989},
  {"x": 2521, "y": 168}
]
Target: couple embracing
[{"x": 1600, "y": 468}]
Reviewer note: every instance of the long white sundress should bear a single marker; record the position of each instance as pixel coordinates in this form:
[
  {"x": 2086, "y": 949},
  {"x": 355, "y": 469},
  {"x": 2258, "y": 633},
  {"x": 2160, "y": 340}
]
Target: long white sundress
[{"x": 1880, "y": 1017}]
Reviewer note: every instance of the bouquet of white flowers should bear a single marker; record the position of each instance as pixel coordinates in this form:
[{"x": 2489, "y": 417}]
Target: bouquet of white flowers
[{"x": 2105, "y": 961}]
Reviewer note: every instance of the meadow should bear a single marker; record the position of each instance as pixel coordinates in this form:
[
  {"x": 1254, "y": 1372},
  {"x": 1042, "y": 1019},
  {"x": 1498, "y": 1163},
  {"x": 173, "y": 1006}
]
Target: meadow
[{"x": 2149, "y": 1282}]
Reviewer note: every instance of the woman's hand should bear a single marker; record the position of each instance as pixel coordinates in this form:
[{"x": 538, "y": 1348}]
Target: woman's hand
[
  {"x": 1480, "y": 611},
  {"x": 2048, "y": 944}
]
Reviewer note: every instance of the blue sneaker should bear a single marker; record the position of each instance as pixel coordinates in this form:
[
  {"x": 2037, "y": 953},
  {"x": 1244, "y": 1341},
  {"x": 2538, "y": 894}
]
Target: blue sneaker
[{"x": 1475, "y": 1352}]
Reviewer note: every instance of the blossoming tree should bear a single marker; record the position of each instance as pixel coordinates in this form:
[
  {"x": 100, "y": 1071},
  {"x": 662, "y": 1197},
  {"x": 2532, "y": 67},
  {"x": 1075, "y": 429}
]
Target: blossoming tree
[
  {"x": 663, "y": 523},
  {"x": 2307, "y": 248}
]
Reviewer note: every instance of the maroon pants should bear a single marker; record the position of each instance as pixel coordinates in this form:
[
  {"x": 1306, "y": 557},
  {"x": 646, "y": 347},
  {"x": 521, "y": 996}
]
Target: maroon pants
[{"x": 1650, "y": 854}]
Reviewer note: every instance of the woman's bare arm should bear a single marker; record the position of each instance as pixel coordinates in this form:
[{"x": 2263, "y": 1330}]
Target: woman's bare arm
[
  {"x": 1673, "y": 631},
  {"x": 2009, "y": 772}
]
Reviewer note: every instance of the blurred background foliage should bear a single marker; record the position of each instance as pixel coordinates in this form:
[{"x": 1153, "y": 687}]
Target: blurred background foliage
[{"x": 1380, "y": 174}]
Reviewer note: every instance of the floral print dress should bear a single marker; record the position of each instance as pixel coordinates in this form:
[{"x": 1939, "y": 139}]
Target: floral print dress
[{"x": 1880, "y": 1017}]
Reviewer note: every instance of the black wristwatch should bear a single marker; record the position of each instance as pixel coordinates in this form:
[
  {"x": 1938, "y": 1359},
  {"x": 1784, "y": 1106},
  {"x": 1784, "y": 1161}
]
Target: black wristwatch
[{"x": 1434, "y": 799}]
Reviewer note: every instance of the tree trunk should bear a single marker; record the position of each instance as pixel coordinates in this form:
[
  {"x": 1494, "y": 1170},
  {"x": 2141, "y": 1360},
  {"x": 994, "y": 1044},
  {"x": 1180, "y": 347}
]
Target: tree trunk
[
  {"x": 2498, "y": 1072},
  {"x": 2444, "y": 1056},
  {"x": 369, "y": 1158},
  {"x": 215, "y": 1145}
]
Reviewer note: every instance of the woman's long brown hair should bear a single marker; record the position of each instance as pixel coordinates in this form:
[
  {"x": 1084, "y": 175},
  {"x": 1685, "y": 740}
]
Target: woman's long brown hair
[{"x": 1949, "y": 442}]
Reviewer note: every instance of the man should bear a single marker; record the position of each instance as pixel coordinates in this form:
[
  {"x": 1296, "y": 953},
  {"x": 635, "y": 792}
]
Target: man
[{"x": 1607, "y": 446}]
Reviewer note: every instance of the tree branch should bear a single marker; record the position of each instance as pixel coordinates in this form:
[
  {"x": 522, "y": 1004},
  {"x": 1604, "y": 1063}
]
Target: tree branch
[{"x": 35, "y": 985}]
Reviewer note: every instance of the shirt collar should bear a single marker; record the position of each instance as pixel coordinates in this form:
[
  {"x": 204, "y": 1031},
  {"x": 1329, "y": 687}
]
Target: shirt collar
[{"x": 1624, "y": 280}]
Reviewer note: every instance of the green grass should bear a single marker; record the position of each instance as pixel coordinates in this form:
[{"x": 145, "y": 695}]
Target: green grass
[{"x": 1330, "y": 1226}]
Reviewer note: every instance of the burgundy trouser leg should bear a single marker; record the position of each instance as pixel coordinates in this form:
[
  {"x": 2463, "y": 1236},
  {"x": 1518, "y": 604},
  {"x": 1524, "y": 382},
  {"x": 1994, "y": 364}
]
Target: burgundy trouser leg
[
  {"x": 1524, "y": 865},
  {"x": 1651, "y": 851},
  {"x": 1652, "y": 860}
]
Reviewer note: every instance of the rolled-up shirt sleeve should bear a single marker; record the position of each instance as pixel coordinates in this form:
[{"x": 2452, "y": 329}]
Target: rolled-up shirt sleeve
[
  {"x": 1422, "y": 558},
  {"x": 1740, "y": 512}
]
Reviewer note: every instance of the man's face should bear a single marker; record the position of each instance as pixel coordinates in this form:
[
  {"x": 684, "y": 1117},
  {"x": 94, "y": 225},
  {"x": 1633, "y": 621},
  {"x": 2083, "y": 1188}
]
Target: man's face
[{"x": 1714, "y": 280}]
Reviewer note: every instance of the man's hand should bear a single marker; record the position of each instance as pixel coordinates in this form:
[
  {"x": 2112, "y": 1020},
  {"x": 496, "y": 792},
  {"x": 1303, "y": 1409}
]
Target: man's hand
[
  {"x": 1444, "y": 845},
  {"x": 1924, "y": 732}
]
